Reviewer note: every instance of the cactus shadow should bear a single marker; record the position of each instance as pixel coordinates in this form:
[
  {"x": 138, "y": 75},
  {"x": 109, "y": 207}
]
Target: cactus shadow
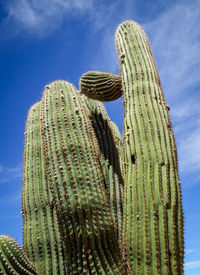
[{"x": 106, "y": 141}]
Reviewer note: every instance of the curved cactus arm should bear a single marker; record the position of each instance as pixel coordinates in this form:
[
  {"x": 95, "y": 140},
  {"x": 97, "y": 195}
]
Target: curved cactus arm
[
  {"x": 101, "y": 86},
  {"x": 153, "y": 220},
  {"x": 109, "y": 140},
  {"x": 41, "y": 234},
  {"x": 13, "y": 260},
  {"x": 71, "y": 154}
]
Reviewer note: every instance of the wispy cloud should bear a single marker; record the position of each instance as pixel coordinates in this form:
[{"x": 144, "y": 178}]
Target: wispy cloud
[
  {"x": 186, "y": 118},
  {"x": 9, "y": 174},
  {"x": 10, "y": 199},
  {"x": 189, "y": 251},
  {"x": 190, "y": 152},
  {"x": 41, "y": 17},
  {"x": 192, "y": 264}
]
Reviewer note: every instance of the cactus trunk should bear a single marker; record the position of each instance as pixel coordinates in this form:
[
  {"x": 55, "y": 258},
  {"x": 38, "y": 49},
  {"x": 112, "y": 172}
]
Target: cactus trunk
[
  {"x": 71, "y": 154},
  {"x": 41, "y": 234},
  {"x": 153, "y": 220}
]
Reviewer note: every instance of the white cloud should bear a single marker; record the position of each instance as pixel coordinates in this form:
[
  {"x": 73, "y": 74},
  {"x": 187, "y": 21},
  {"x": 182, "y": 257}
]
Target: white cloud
[
  {"x": 41, "y": 17},
  {"x": 192, "y": 264},
  {"x": 189, "y": 251},
  {"x": 8, "y": 174},
  {"x": 189, "y": 151},
  {"x": 11, "y": 199},
  {"x": 186, "y": 118},
  {"x": 188, "y": 109}
]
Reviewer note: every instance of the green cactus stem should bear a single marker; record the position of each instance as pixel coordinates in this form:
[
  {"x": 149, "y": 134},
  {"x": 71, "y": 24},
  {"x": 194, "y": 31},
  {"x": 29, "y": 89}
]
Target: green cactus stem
[
  {"x": 101, "y": 86},
  {"x": 153, "y": 219},
  {"x": 41, "y": 236},
  {"x": 71, "y": 154},
  {"x": 109, "y": 140},
  {"x": 13, "y": 260}
]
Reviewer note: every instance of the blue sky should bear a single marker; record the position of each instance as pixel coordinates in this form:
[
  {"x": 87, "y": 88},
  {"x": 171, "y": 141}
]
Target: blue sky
[{"x": 41, "y": 41}]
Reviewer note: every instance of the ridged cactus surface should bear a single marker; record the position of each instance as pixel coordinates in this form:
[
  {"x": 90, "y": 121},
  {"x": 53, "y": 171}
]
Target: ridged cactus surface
[
  {"x": 41, "y": 233},
  {"x": 153, "y": 220},
  {"x": 13, "y": 260},
  {"x": 109, "y": 140},
  {"x": 93, "y": 202},
  {"x": 71, "y": 154},
  {"x": 101, "y": 86}
]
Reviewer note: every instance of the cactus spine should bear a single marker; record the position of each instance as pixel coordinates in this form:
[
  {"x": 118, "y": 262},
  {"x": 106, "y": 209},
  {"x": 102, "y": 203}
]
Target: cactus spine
[{"x": 153, "y": 221}]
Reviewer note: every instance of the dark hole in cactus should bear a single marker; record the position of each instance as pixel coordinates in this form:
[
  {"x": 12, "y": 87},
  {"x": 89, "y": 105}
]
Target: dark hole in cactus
[{"x": 133, "y": 159}]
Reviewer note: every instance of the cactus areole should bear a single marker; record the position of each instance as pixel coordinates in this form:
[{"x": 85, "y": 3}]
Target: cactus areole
[{"x": 93, "y": 202}]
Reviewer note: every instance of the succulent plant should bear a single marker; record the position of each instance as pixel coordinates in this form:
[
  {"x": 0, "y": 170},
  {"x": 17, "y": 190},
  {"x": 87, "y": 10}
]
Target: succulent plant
[{"x": 93, "y": 202}]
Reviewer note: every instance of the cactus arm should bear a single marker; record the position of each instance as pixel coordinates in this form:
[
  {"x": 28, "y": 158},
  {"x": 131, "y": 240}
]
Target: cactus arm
[
  {"x": 13, "y": 260},
  {"x": 109, "y": 140},
  {"x": 101, "y": 86},
  {"x": 42, "y": 241},
  {"x": 153, "y": 220},
  {"x": 71, "y": 155}
]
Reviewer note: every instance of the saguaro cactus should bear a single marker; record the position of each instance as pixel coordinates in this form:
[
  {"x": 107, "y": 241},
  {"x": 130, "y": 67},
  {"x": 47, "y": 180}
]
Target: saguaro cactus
[
  {"x": 153, "y": 221},
  {"x": 152, "y": 217},
  {"x": 94, "y": 203}
]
